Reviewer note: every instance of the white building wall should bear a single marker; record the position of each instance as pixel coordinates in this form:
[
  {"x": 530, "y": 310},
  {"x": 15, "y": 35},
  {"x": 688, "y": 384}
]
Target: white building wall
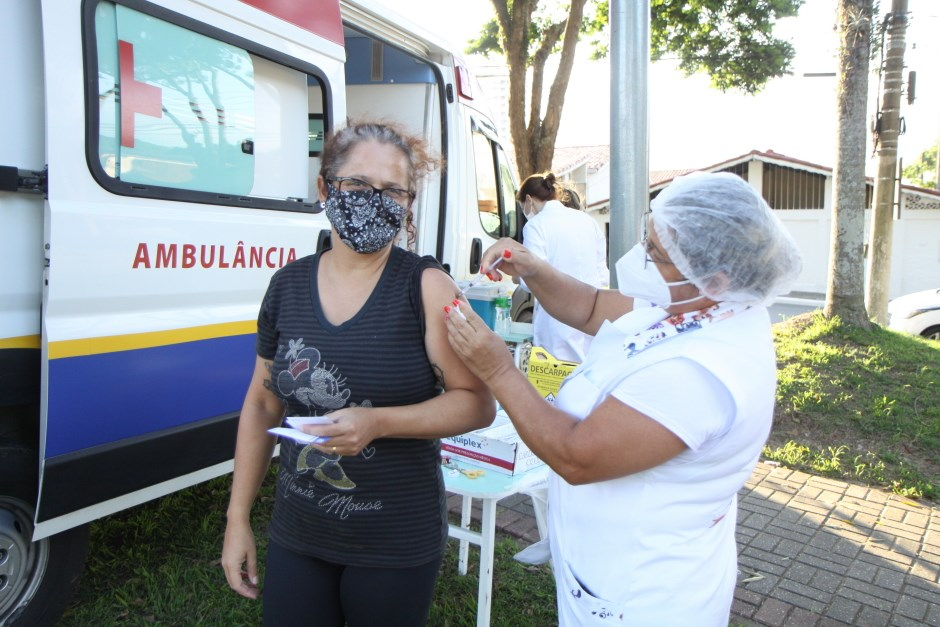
[
  {"x": 915, "y": 249},
  {"x": 915, "y": 256},
  {"x": 598, "y": 186},
  {"x": 810, "y": 230},
  {"x": 597, "y": 196}
]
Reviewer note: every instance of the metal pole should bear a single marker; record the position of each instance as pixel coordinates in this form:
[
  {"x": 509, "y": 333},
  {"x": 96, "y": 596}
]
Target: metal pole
[
  {"x": 629, "y": 124},
  {"x": 899, "y": 195}
]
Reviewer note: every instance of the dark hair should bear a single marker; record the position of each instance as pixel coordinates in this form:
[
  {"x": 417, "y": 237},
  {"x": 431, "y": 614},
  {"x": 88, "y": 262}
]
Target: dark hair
[
  {"x": 421, "y": 160},
  {"x": 541, "y": 186}
]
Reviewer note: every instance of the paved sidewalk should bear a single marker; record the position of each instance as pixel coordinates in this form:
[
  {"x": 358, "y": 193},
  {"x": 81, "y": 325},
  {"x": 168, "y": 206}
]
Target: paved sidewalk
[{"x": 816, "y": 552}]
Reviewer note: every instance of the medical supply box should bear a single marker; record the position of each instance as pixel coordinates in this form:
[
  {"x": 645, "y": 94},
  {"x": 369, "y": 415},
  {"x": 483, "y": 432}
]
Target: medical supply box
[
  {"x": 483, "y": 300},
  {"x": 497, "y": 447}
]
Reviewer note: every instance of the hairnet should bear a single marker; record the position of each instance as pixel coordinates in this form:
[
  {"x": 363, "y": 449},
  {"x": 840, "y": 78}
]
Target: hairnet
[{"x": 725, "y": 239}]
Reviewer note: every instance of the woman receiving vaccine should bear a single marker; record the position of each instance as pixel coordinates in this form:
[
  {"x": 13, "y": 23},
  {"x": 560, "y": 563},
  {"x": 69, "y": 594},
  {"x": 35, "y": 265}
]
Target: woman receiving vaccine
[{"x": 353, "y": 336}]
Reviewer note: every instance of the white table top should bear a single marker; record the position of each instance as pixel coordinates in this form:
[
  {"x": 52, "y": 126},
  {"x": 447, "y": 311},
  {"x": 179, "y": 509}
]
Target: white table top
[{"x": 491, "y": 484}]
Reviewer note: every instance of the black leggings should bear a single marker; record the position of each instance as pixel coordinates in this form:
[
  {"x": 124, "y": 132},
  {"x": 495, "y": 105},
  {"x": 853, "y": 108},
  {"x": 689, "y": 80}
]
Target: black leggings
[{"x": 302, "y": 590}]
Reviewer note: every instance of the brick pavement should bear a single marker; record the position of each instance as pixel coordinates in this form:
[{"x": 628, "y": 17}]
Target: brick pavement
[{"x": 815, "y": 552}]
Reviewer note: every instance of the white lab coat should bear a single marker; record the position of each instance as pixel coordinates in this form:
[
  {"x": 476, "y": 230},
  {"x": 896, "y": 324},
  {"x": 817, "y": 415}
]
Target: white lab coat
[{"x": 657, "y": 547}]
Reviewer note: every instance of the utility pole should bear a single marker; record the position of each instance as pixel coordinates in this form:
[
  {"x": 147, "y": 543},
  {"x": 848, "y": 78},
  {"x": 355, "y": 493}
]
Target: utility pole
[
  {"x": 629, "y": 125},
  {"x": 887, "y": 128}
]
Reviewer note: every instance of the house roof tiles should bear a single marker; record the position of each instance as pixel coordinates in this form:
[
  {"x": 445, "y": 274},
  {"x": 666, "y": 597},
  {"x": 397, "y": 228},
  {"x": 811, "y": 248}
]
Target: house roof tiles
[{"x": 571, "y": 157}]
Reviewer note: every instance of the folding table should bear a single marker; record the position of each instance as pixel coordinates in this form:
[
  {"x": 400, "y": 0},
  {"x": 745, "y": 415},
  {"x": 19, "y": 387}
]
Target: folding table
[{"x": 489, "y": 488}]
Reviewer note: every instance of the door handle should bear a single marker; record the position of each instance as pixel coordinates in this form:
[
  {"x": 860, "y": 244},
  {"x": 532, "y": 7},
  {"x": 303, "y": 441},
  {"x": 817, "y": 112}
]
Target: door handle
[{"x": 476, "y": 255}]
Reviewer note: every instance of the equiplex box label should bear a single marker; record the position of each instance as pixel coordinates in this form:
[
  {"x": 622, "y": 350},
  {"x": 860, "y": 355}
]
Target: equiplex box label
[{"x": 497, "y": 447}]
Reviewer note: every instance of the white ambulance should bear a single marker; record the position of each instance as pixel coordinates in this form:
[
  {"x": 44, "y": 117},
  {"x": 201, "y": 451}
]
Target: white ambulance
[{"x": 157, "y": 165}]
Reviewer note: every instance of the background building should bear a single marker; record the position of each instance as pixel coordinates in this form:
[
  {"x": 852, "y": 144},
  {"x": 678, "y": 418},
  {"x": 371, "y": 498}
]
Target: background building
[{"x": 800, "y": 193}]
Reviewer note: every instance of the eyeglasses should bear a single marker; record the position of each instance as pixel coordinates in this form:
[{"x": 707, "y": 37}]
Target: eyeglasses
[
  {"x": 648, "y": 248},
  {"x": 364, "y": 191},
  {"x": 647, "y": 245}
]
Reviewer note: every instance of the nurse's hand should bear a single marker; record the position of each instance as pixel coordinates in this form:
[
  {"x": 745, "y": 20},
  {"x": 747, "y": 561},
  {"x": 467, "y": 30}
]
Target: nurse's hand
[
  {"x": 513, "y": 259},
  {"x": 484, "y": 352}
]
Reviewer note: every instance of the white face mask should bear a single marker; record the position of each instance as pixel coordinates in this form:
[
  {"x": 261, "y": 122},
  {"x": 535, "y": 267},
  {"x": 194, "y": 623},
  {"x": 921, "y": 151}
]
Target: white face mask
[
  {"x": 641, "y": 279},
  {"x": 527, "y": 209}
]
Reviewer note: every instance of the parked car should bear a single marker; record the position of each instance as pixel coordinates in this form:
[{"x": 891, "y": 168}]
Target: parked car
[
  {"x": 523, "y": 303},
  {"x": 917, "y": 313}
]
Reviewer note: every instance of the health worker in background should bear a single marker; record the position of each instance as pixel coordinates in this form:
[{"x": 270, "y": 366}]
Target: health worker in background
[
  {"x": 571, "y": 242},
  {"x": 355, "y": 334},
  {"x": 651, "y": 438},
  {"x": 570, "y": 198}
]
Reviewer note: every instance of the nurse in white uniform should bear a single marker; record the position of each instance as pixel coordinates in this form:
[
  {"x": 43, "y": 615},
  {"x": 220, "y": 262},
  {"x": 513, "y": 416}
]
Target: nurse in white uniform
[
  {"x": 570, "y": 241},
  {"x": 651, "y": 438}
]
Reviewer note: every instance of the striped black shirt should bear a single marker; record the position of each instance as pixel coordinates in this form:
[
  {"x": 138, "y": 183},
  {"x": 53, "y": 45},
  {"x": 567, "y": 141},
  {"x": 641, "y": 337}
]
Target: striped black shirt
[{"x": 385, "y": 506}]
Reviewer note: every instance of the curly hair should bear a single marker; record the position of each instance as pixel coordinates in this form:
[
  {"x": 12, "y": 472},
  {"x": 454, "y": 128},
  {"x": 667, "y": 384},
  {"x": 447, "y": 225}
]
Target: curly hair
[{"x": 421, "y": 159}]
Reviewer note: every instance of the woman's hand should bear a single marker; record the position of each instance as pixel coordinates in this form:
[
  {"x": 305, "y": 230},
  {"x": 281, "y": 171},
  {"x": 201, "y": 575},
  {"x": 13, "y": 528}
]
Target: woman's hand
[
  {"x": 351, "y": 430},
  {"x": 240, "y": 559},
  {"x": 484, "y": 352}
]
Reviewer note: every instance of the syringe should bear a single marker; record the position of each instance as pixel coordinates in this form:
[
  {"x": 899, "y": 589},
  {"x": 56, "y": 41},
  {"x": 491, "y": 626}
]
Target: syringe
[{"x": 476, "y": 280}]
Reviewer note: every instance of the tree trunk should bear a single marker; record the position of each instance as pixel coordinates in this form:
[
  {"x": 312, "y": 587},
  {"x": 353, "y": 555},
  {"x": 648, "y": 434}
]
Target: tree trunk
[
  {"x": 533, "y": 136},
  {"x": 514, "y": 35},
  {"x": 886, "y": 142},
  {"x": 845, "y": 290},
  {"x": 544, "y": 150}
]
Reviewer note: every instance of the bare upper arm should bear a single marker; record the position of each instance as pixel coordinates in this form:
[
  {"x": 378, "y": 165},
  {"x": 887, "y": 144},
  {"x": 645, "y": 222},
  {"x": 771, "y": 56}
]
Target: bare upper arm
[
  {"x": 437, "y": 291},
  {"x": 609, "y": 304},
  {"x": 260, "y": 397}
]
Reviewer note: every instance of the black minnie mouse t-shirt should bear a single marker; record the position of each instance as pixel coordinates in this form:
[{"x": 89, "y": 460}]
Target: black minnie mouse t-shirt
[{"x": 386, "y": 505}]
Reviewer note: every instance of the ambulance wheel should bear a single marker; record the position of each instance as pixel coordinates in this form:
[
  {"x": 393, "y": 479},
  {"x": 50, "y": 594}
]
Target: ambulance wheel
[{"x": 37, "y": 579}]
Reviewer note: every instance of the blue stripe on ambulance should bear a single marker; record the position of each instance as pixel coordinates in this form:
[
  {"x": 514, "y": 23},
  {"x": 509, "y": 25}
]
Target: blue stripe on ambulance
[{"x": 133, "y": 393}]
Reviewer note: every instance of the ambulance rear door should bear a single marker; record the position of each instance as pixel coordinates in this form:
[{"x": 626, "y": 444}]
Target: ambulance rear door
[{"x": 179, "y": 163}]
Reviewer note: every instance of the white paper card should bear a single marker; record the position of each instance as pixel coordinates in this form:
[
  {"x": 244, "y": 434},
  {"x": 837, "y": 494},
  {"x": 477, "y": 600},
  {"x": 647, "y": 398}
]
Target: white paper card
[
  {"x": 296, "y": 434},
  {"x": 297, "y": 421}
]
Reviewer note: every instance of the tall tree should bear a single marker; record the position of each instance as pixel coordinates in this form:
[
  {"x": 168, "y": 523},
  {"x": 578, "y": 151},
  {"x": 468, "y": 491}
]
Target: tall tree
[
  {"x": 528, "y": 38},
  {"x": 887, "y": 128},
  {"x": 731, "y": 40},
  {"x": 845, "y": 289}
]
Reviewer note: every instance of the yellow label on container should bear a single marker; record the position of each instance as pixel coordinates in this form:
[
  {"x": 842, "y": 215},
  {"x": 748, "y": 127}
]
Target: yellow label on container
[{"x": 546, "y": 372}]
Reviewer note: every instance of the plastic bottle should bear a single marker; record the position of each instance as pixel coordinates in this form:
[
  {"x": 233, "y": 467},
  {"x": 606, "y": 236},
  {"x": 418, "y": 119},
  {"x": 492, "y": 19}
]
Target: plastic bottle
[{"x": 503, "y": 321}]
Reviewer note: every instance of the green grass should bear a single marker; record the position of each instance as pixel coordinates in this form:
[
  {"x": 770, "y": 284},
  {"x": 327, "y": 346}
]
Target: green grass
[
  {"x": 861, "y": 406},
  {"x": 158, "y": 564},
  {"x": 858, "y": 405}
]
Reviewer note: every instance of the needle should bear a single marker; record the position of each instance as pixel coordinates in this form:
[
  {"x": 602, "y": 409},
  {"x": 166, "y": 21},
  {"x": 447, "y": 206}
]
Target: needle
[{"x": 476, "y": 280}]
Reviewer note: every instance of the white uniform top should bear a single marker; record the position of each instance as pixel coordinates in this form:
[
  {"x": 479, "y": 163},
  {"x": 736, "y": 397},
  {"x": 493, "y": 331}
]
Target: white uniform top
[
  {"x": 658, "y": 547},
  {"x": 572, "y": 242}
]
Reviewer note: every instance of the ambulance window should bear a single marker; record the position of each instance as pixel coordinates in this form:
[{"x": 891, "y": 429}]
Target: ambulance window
[
  {"x": 184, "y": 115},
  {"x": 487, "y": 189},
  {"x": 507, "y": 187},
  {"x": 315, "y": 134}
]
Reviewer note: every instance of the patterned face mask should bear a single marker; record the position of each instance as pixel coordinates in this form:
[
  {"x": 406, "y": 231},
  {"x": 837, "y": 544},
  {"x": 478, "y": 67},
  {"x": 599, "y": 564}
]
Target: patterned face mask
[{"x": 364, "y": 224}]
